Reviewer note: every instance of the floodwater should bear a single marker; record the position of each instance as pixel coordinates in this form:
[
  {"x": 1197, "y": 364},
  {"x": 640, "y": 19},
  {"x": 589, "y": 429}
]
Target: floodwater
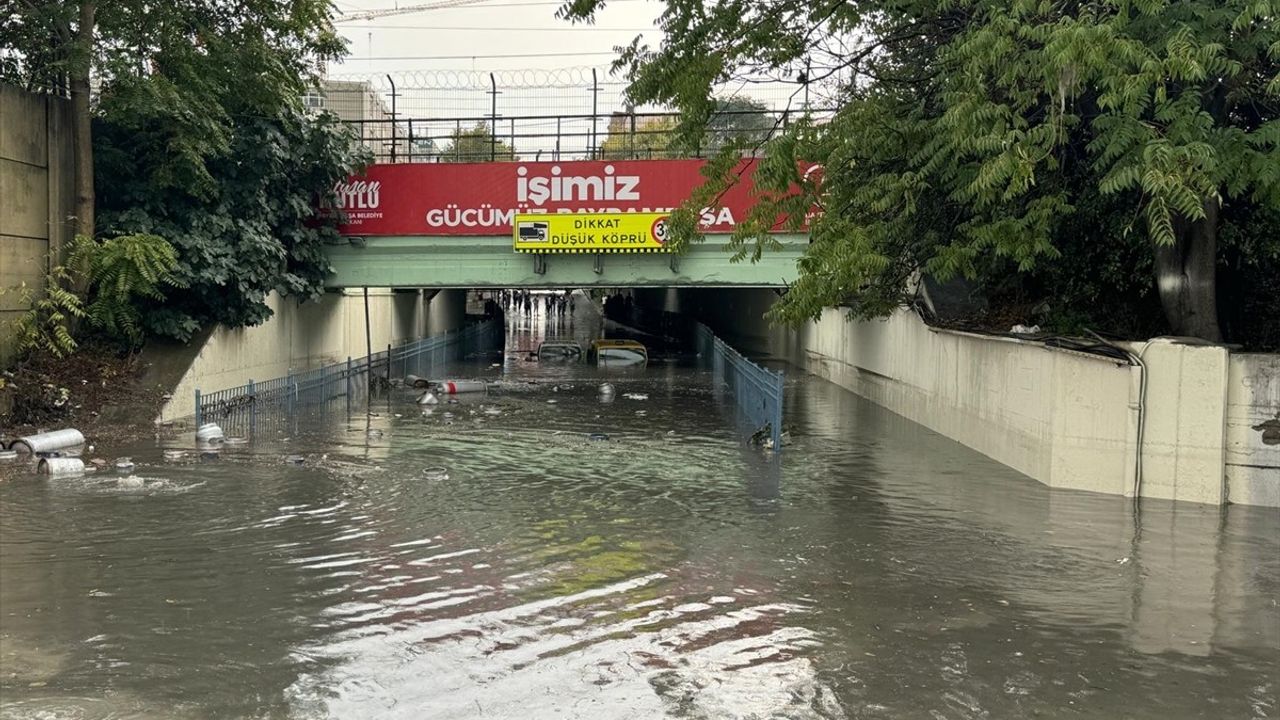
[{"x": 878, "y": 571}]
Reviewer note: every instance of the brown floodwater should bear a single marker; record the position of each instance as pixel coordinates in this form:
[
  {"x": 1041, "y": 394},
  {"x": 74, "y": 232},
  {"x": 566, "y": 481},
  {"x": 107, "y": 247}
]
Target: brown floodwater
[{"x": 491, "y": 560}]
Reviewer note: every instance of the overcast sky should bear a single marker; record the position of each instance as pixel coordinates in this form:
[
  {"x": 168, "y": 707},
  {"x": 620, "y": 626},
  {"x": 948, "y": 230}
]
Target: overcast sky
[{"x": 488, "y": 36}]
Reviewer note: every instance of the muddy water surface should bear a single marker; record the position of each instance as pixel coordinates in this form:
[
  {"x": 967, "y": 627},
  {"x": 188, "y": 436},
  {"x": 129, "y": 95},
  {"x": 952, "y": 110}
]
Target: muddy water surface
[{"x": 491, "y": 560}]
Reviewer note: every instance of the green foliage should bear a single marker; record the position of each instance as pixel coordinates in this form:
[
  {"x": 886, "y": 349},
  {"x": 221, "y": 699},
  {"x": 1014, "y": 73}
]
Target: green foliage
[
  {"x": 969, "y": 132},
  {"x": 735, "y": 122},
  {"x": 200, "y": 138},
  {"x": 46, "y": 326},
  {"x": 248, "y": 233},
  {"x": 123, "y": 272},
  {"x": 476, "y": 144},
  {"x": 651, "y": 138}
]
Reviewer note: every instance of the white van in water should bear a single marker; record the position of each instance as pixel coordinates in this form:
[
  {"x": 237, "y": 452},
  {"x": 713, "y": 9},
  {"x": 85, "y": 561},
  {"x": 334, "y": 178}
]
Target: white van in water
[{"x": 560, "y": 350}]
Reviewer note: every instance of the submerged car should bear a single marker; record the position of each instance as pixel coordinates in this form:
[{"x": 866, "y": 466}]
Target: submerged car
[
  {"x": 617, "y": 352},
  {"x": 560, "y": 350}
]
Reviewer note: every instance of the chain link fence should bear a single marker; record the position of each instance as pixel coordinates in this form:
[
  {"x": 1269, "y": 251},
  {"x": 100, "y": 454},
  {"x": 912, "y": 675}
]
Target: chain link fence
[
  {"x": 569, "y": 113},
  {"x": 246, "y": 409}
]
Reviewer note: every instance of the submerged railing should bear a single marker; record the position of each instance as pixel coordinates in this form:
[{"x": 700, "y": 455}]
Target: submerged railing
[
  {"x": 240, "y": 409},
  {"x": 756, "y": 391}
]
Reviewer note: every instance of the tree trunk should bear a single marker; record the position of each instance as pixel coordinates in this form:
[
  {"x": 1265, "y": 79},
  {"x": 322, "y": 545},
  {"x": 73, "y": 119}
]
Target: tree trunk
[
  {"x": 81, "y": 118},
  {"x": 1186, "y": 276}
]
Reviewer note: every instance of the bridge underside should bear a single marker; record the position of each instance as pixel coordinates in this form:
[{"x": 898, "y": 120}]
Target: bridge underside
[{"x": 489, "y": 262}]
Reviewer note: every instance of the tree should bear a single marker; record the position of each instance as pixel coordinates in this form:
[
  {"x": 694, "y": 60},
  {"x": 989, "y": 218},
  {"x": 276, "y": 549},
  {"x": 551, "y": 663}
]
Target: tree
[
  {"x": 738, "y": 120},
  {"x": 199, "y": 138},
  {"x": 968, "y": 132},
  {"x": 476, "y": 144},
  {"x": 650, "y": 138},
  {"x": 243, "y": 226},
  {"x": 198, "y": 55}
]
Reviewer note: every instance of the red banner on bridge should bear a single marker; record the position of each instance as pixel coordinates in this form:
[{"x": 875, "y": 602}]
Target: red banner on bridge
[{"x": 482, "y": 198}]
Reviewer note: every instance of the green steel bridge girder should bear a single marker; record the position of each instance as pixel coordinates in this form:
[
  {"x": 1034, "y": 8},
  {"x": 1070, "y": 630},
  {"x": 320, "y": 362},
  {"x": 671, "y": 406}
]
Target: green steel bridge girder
[{"x": 489, "y": 262}]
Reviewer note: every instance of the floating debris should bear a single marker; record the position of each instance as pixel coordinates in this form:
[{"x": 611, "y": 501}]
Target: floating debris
[
  {"x": 635, "y": 396},
  {"x": 597, "y": 437},
  {"x": 48, "y": 442},
  {"x": 61, "y": 466},
  {"x": 436, "y": 473},
  {"x": 452, "y": 387},
  {"x": 175, "y": 455},
  {"x": 124, "y": 465},
  {"x": 294, "y": 460},
  {"x": 209, "y": 432},
  {"x": 236, "y": 440}
]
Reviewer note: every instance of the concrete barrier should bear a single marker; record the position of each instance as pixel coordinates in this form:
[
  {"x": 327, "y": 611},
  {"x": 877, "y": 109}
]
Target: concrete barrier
[
  {"x": 301, "y": 336},
  {"x": 1065, "y": 418},
  {"x": 37, "y": 198},
  {"x": 1209, "y": 419},
  {"x": 1253, "y": 429}
]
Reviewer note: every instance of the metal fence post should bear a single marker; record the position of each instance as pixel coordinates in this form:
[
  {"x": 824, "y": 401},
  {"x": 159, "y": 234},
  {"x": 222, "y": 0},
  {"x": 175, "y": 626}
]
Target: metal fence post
[
  {"x": 632, "y": 136},
  {"x": 493, "y": 118},
  {"x": 288, "y": 391},
  {"x": 595, "y": 111},
  {"x": 253, "y": 407},
  {"x": 198, "y": 413},
  {"x": 393, "y": 117},
  {"x": 348, "y": 393}
]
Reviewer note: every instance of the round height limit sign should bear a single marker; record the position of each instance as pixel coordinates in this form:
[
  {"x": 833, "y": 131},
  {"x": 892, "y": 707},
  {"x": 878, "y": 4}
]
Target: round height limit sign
[{"x": 622, "y": 232}]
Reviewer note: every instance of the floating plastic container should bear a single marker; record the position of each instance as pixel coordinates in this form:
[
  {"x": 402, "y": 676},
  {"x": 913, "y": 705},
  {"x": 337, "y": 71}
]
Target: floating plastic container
[
  {"x": 124, "y": 466},
  {"x": 453, "y": 387},
  {"x": 61, "y": 466},
  {"x": 436, "y": 473},
  {"x": 235, "y": 440},
  {"x": 175, "y": 455},
  {"x": 49, "y": 441},
  {"x": 209, "y": 432}
]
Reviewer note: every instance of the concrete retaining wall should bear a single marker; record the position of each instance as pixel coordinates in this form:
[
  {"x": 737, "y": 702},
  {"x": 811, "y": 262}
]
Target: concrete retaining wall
[
  {"x": 311, "y": 334},
  {"x": 1210, "y": 418},
  {"x": 1253, "y": 429},
  {"x": 37, "y": 196}
]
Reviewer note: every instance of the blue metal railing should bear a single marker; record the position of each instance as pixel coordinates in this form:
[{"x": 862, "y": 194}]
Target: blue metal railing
[
  {"x": 241, "y": 409},
  {"x": 756, "y": 391}
]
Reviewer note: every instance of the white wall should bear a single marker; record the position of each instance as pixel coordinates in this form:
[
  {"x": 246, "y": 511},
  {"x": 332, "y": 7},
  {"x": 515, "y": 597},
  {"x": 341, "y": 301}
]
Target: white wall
[
  {"x": 1060, "y": 417},
  {"x": 1253, "y": 429},
  {"x": 301, "y": 336},
  {"x": 1068, "y": 419}
]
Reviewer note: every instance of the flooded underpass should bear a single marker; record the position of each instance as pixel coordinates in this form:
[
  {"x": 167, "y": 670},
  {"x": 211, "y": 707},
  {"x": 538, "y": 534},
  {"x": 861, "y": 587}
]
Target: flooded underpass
[{"x": 542, "y": 552}]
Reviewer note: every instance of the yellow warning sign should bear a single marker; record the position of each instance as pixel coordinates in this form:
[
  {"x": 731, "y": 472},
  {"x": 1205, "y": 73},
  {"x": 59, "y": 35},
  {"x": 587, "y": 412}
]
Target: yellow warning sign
[{"x": 590, "y": 233}]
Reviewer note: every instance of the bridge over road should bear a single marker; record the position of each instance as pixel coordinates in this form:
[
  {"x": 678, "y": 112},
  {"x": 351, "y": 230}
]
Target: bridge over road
[{"x": 449, "y": 225}]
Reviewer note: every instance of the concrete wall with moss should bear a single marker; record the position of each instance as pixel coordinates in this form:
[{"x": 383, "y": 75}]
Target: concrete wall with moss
[{"x": 37, "y": 196}]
